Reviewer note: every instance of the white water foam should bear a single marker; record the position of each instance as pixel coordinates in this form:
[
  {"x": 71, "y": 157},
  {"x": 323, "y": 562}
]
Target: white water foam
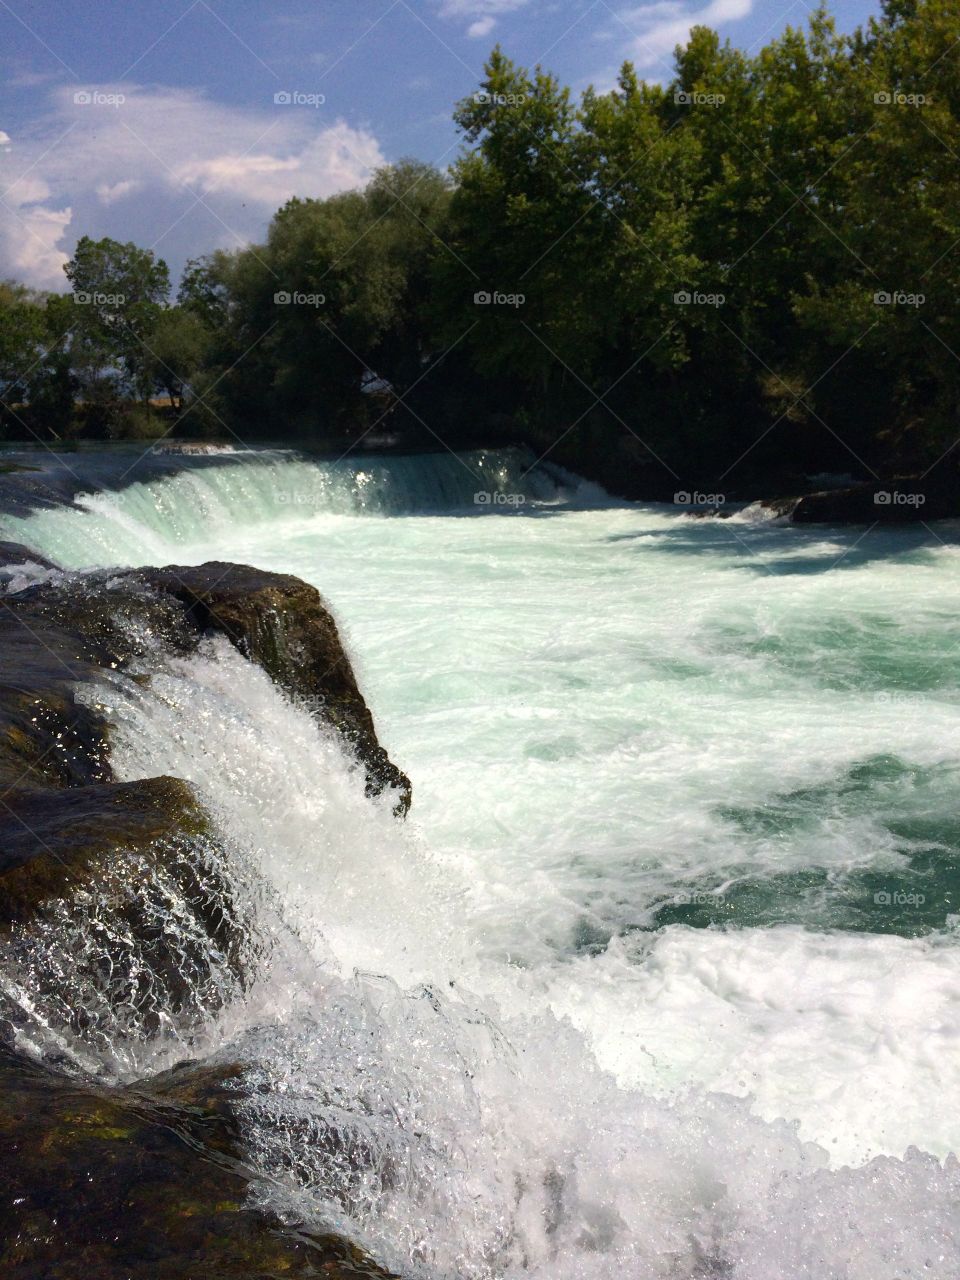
[
  {"x": 600, "y": 710},
  {"x": 457, "y": 1130}
]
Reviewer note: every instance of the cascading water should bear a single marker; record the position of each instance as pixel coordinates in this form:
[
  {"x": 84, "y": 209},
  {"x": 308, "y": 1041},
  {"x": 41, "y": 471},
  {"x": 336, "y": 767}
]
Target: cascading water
[
  {"x": 202, "y": 507},
  {"x": 634, "y": 991}
]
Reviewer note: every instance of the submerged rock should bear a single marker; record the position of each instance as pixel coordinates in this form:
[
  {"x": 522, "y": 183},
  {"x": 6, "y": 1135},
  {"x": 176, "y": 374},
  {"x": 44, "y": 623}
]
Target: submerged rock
[
  {"x": 55, "y": 841},
  {"x": 12, "y": 553}
]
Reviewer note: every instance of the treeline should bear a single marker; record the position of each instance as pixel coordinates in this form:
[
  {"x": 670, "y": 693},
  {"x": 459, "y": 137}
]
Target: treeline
[{"x": 749, "y": 273}]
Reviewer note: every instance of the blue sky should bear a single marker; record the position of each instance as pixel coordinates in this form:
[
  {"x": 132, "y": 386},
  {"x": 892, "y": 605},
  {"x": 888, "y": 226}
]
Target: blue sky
[{"x": 156, "y": 120}]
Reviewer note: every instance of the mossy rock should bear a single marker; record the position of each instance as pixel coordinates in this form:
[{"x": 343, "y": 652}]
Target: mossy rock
[
  {"x": 122, "y": 1185},
  {"x": 57, "y": 840}
]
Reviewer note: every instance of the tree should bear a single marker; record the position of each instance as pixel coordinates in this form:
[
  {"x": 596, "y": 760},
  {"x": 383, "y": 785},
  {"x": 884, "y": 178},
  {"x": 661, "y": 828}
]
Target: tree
[
  {"x": 119, "y": 291},
  {"x": 329, "y": 306},
  {"x": 750, "y": 272},
  {"x": 22, "y": 333},
  {"x": 177, "y": 346}
]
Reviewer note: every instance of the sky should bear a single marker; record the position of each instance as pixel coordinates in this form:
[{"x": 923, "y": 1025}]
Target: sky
[{"x": 184, "y": 124}]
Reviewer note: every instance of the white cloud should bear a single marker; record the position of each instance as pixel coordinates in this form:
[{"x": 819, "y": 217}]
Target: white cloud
[
  {"x": 4, "y": 139},
  {"x": 657, "y": 29},
  {"x": 482, "y": 27},
  {"x": 35, "y": 253},
  {"x": 109, "y": 193},
  {"x": 30, "y": 231},
  {"x": 176, "y": 147},
  {"x": 483, "y": 12},
  {"x": 478, "y": 8},
  {"x": 335, "y": 159},
  {"x": 16, "y": 77}
]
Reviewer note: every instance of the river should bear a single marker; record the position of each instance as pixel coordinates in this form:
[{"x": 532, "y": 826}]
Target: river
[{"x": 661, "y": 978}]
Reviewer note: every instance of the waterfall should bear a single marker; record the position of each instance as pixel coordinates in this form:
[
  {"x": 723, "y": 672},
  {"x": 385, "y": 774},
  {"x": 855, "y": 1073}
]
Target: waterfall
[{"x": 146, "y": 521}]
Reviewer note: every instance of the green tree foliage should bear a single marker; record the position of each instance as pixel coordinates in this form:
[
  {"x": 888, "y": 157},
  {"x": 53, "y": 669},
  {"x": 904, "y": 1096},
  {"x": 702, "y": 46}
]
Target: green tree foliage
[
  {"x": 333, "y": 306},
  {"x": 176, "y": 351},
  {"x": 37, "y": 379},
  {"x": 900, "y": 225},
  {"x": 22, "y": 333},
  {"x": 119, "y": 291},
  {"x": 805, "y": 186},
  {"x": 747, "y": 274}
]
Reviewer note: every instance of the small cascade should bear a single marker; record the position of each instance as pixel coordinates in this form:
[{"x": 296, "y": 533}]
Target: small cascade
[
  {"x": 130, "y": 976},
  {"x": 146, "y": 522}
]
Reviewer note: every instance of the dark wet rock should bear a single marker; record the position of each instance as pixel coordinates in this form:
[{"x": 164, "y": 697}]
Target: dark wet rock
[
  {"x": 131, "y": 1184},
  {"x": 780, "y": 506},
  {"x": 12, "y": 553},
  {"x": 66, "y": 823},
  {"x": 900, "y": 500},
  {"x": 203, "y": 1098},
  {"x": 55, "y": 841},
  {"x": 120, "y": 920},
  {"x": 137, "y": 1184},
  {"x": 281, "y": 623},
  {"x": 47, "y": 737},
  {"x": 58, "y": 635}
]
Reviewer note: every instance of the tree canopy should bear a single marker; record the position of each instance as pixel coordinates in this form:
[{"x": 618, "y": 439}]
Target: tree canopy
[{"x": 751, "y": 270}]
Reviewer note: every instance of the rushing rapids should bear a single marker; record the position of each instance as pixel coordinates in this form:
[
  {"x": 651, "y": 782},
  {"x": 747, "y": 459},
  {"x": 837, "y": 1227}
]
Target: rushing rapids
[{"x": 661, "y": 977}]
